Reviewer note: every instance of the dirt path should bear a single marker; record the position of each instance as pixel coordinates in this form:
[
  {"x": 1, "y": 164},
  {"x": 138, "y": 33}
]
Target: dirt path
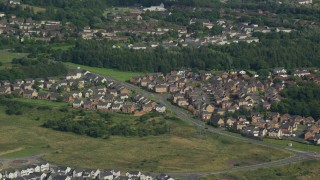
[{"x": 11, "y": 151}]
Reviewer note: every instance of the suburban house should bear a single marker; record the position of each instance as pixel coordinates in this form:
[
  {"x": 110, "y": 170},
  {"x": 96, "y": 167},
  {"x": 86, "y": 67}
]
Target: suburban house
[
  {"x": 279, "y": 70},
  {"x": 182, "y": 102},
  {"x": 156, "y": 8},
  {"x": 128, "y": 108},
  {"x": 217, "y": 121},
  {"x": 43, "y": 95},
  {"x": 161, "y": 89},
  {"x": 30, "y": 94},
  {"x": 160, "y": 108},
  {"x": 14, "y": 2},
  {"x": 205, "y": 115},
  {"x": 303, "y": 2},
  {"x": 77, "y": 103},
  {"x": 103, "y": 106},
  {"x": 133, "y": 174},
  {"x": 147, "y": 107}
]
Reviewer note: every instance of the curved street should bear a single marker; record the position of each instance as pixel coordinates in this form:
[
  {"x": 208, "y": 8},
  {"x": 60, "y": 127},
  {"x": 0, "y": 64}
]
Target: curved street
[{"x": 298, "y": 156}]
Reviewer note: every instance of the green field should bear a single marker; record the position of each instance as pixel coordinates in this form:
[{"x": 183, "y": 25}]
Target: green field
[
  {"x": 304, "y": 170},
  {"x": 63, "y": 47},
  {"x": 36, "y": 9},
  {"x": 6, "y": 57},
  {"x": 295, "y": 145},
  {"x": 24, "y": 152},
  {"x": 119, "y": 75},
  {"x": 118, "y": 10},
  {"x": 185, "y": 149}
]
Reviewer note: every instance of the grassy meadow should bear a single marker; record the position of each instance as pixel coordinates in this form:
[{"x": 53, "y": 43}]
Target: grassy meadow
[
  {"x": 6, "y": 57},
  {"x": 119, "y": 75},
  {"x": 184, "y": 149},
  {"x": 304, "y": 170},
  {"x": 295, "y": 145},
  {"x": 35, "y": 9}
]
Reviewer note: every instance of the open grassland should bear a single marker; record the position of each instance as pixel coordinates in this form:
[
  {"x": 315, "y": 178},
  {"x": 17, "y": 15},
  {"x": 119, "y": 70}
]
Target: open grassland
[
  {"x": 295, "y": 145},
  {"x": 119, "y": 75},
  {"x": 185, "y": 149},
  {"x": 6, "y": 57},
  {"x": 304, "y": 170}
]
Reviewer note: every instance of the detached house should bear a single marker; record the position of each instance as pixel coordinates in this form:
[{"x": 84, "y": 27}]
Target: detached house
[
  {"x": 30, "y": 94},
  {"x": 205, "y": 115},
  {"x": 288, "y": 128},
  {"x": 77, "y": 103},
  {"x": 128, "y": 108},
  {"x": 279, "y": 70},
  {"x": 275, "y": 132},
  {"x": 147, "y": 107},
  {"x": 43, "y": 96},
  {"x": 12, "y": 174},
  {"x": 116, "y": 107},
  {"x": 103, "y": 106},
  {"x": 5, "y": 90},
  {"x": 133, "y": 174},
  {"x": 217, "y": 121},
  {"x": 161, "y": 89},
  {"x": 182, "y": 102},
  {"x": 106, "y": 175},
  {"x": 160, "y": 108},
  {"x": 74, "y": 75}
]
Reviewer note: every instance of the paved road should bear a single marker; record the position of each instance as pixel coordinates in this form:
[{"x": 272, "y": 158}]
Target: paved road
[
  {"x": 286, "y": 161},
  {"x": 298, "y": 156},
  {"x": 187, "y": 116}
]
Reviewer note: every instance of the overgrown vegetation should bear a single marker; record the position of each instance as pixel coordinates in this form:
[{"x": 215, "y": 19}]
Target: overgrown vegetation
[
  {"x": 23, "y": 67},
  {"x": 104, "y": 126}
]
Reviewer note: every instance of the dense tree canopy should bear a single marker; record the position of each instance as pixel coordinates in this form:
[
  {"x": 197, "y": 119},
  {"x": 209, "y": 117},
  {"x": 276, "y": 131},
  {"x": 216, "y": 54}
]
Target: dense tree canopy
[
  {"x": 294, "y": 50},
  {"x": 302, "y": 99},
  {"x": 25, "y": 68}
]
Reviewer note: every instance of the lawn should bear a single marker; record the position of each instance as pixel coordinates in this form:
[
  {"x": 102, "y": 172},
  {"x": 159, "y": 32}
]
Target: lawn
[
  {"x": 119, "y": 75},
  {"x": 303, "y": 170},
  {"x": 6, "y": 57},
  {"x": 119, "y": 10},
  {"x": 36, "y": 9},
  {"x": 184, "y": 149},
  {"x": 24, "y": 152},
  {"x": 295, "y": 145},
  {"x": 63, "y": 47}
]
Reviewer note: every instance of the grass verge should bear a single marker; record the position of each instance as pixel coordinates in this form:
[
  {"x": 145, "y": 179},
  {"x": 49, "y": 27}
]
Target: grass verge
[
  {"x": 303, "y": 170},
  {"x": 119, "y": 75}
]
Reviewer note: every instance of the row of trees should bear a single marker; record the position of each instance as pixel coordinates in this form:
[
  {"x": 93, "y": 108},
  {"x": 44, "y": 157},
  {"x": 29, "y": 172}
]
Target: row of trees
[{"x": 34, "y": 69}]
